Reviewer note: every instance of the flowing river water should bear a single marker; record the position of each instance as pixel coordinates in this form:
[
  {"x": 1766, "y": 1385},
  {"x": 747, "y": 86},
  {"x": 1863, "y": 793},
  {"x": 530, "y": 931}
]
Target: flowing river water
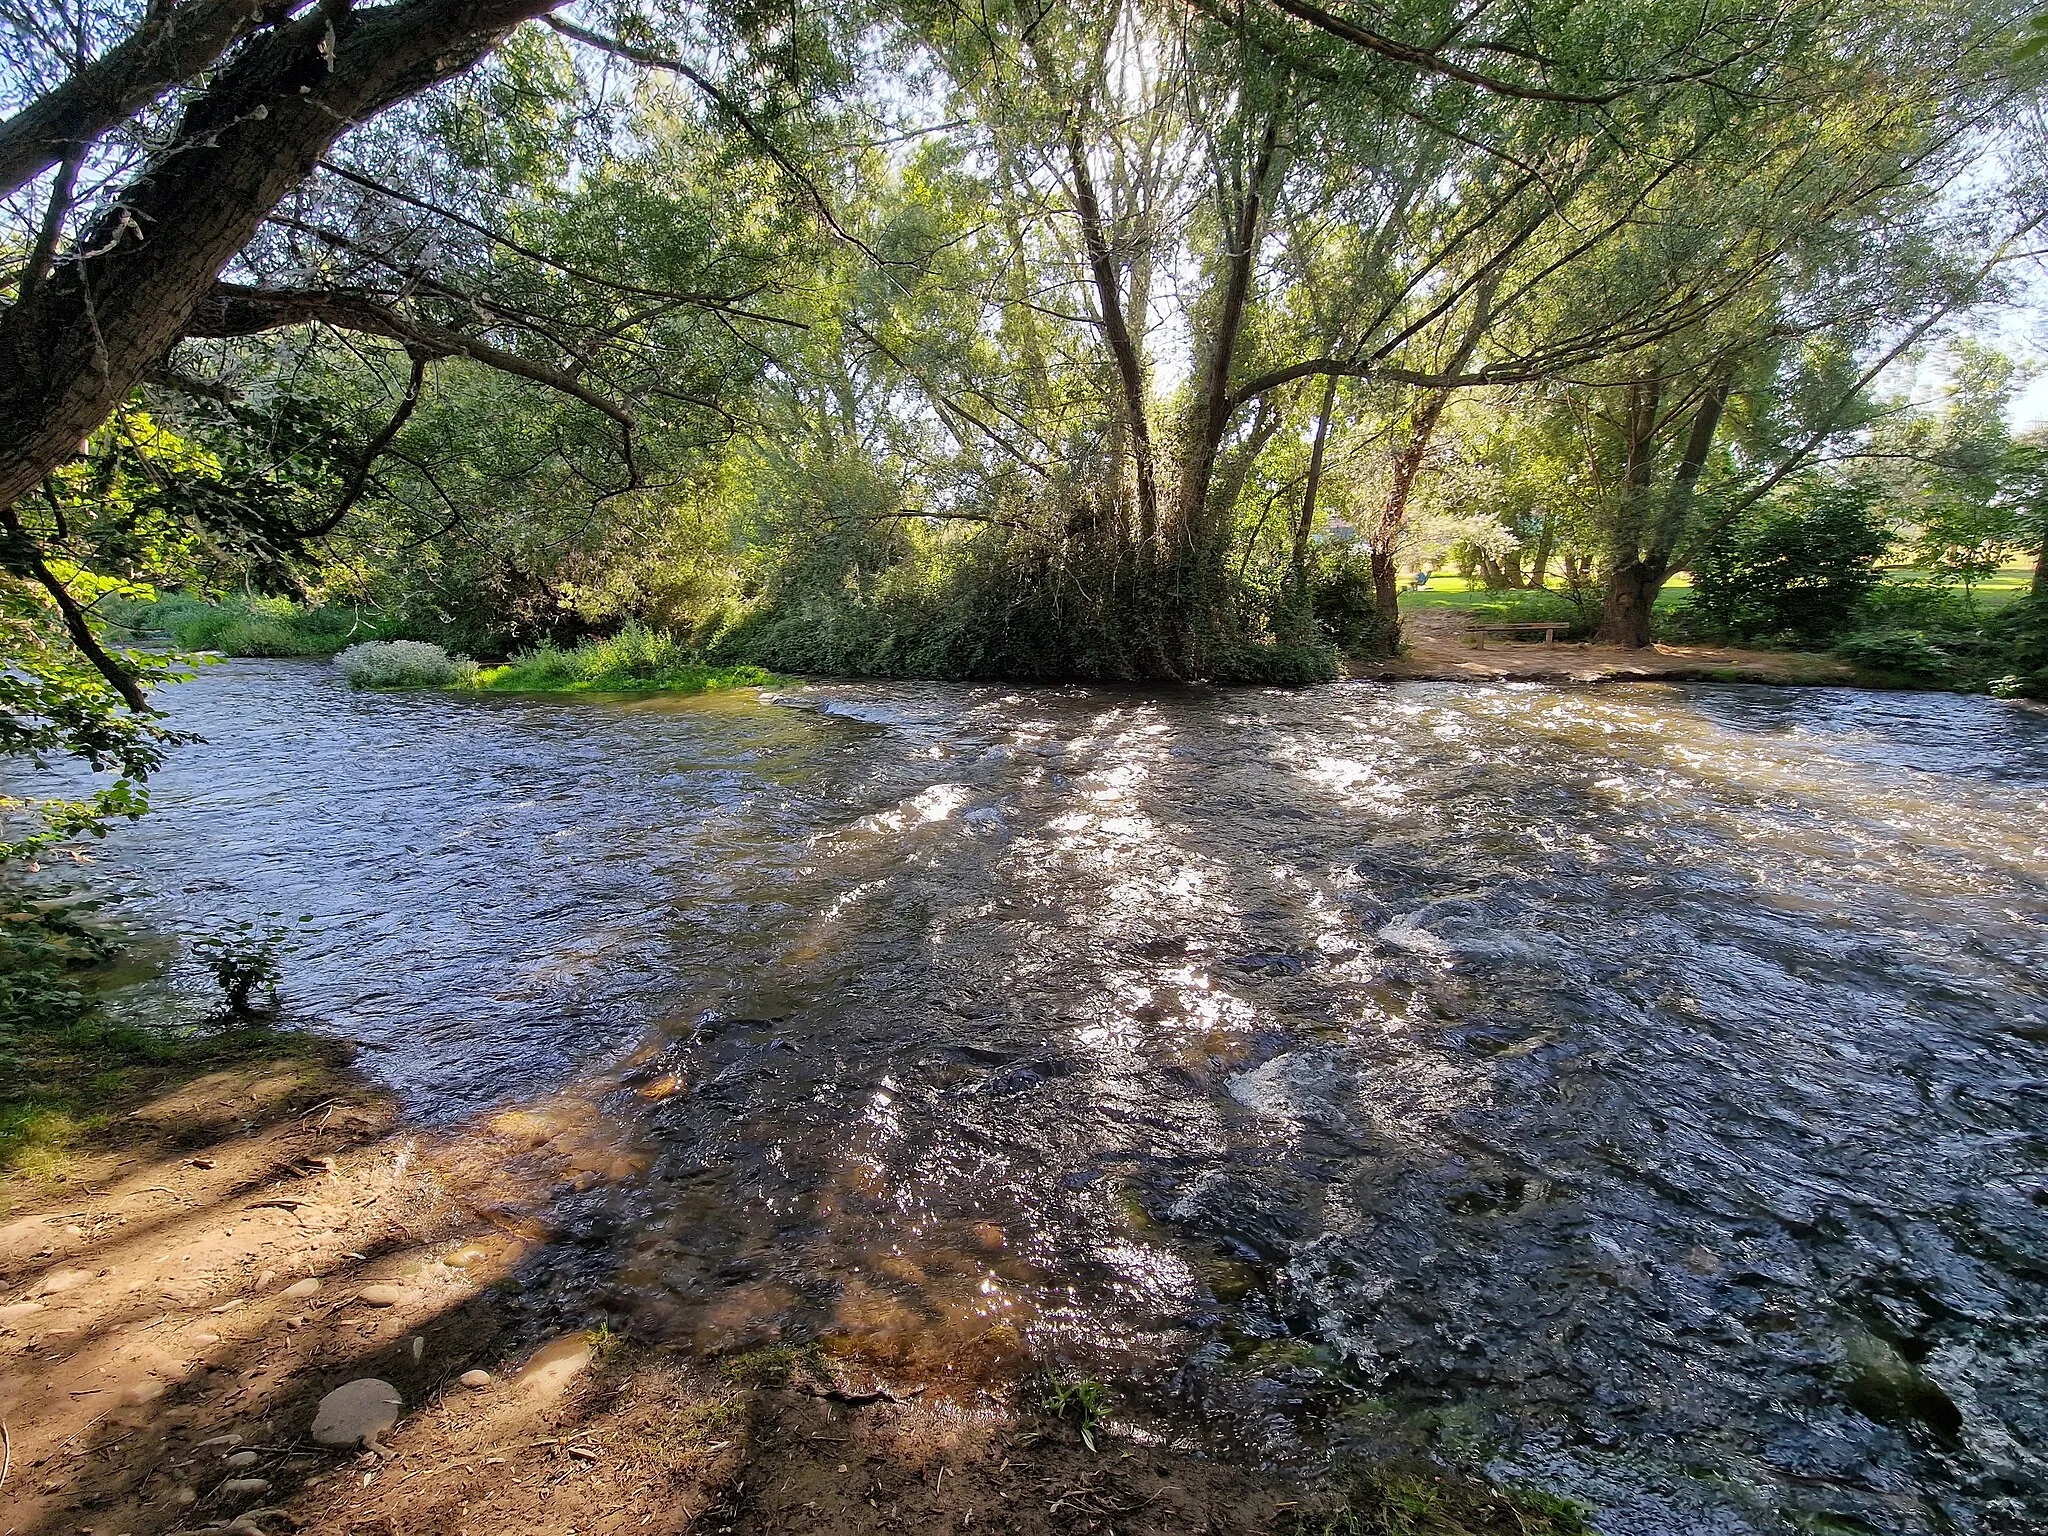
[{"x": 1642, "y": 1092}]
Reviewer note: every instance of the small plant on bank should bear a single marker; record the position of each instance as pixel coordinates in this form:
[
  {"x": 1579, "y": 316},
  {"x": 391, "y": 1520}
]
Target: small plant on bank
[
  {"x": 403, "y": 664},
  {"x": 1079, "y": 1401},
  {"x": 246, "y": 961}
]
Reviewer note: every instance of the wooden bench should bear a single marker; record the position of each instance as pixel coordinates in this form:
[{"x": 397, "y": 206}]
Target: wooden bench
[{"x": 1547, "y": 630}]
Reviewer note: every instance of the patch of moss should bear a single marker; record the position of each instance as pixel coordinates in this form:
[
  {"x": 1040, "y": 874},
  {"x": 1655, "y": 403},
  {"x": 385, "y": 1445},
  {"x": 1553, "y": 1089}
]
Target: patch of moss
[
  {"x": 770, "y": 1365},
  {"x": 1425, "y": 1502}
]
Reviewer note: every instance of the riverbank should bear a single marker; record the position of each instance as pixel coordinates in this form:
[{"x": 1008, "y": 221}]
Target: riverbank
[
  {"x": 1439, "y": 648},
  {"x": 181, "y": 1300}
]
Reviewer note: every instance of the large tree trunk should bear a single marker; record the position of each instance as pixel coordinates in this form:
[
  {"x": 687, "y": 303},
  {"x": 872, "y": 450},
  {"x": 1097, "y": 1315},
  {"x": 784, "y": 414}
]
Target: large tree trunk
[
  {"x": 1386, "y": 594},
  {"x": 1625, "y": 616},
  {"x": 73, "y": 349},
  {"x": 1631, "y": 593},
  {"x": 2040, "y": 587},
  {"x": 1109, "y": 304},
  {"x": 1546, "y": 542},
  {"x": 173, "y": 43}
]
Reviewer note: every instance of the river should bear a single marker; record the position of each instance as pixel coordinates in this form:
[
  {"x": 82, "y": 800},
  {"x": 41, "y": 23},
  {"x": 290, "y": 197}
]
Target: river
[{"x": 1639, "y": 1091}]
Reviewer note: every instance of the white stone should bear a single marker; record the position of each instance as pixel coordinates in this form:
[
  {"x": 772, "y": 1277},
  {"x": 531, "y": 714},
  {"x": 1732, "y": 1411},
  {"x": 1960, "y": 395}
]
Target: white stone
[{"x": 357, "y": 1413}]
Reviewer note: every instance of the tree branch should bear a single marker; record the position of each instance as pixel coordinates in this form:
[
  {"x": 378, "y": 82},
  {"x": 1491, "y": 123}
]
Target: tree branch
[{"x": 174, "y": 43}]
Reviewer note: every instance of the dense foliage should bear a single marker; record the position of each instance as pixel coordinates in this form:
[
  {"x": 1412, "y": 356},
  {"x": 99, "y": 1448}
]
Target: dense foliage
[{"x": 1795, "y": 566}]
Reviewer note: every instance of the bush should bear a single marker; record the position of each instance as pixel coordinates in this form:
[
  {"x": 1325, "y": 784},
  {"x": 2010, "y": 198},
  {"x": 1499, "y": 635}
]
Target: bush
[
  {"x": 403, "y": 664},
  {"x": 1345, "y": 609},
  {"x": 1795, "y": 568},
  {"x": 244, "y": 959},
  {"x": 1916, "y": 605},
  {"x": 1904, "y": 653},
  {"x": 2019, "y": 640}
]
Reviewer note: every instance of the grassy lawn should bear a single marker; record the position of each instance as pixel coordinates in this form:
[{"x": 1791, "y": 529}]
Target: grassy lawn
[
  {"x": 1450, "y": 591},
  {"x": 1453, "y": 591},
  {"x": 1993, "y": 593}
]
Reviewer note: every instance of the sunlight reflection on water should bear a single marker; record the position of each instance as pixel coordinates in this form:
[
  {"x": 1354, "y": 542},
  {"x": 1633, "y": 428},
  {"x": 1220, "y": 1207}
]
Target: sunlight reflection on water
[{"x": 1608, "y": 1066}]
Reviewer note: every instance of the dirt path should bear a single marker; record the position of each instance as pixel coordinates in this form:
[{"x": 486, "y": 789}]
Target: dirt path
[
  {"x": 1439, "y": 647},
  {"x": 174, "y": 1310}
]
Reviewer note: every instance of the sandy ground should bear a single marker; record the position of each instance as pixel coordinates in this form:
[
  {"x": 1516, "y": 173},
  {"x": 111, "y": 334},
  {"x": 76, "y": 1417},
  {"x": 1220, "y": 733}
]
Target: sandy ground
[
  {"x": 172, "y": 1312},
  {"x": 1439, "y": 647}
]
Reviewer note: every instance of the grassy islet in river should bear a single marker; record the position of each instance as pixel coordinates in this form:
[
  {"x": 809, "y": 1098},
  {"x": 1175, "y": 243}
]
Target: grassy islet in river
[{"x": 636, "y": 659}]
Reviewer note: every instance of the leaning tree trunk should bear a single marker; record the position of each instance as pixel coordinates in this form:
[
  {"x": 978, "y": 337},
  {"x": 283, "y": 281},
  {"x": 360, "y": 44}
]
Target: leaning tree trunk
[
  {"x": 72, "y": 350},
  {"x": 1304, "y": 524}
]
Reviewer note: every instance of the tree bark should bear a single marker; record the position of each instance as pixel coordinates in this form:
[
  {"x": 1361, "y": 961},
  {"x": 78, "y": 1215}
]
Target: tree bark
[
  {"x": 1632, "y": 590},
  {"x": 1625, "y": 610},
  {"x": 1546, "y": 541},
  {"x": 71, "y": 351},
  {"x": 1635, "y": 583}
]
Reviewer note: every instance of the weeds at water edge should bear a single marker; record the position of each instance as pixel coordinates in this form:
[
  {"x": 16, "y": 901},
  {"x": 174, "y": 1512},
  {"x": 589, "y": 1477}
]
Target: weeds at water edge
[
  {"x": 1077, "y": 1400},
  {"x": 1429, "y": 1504}
]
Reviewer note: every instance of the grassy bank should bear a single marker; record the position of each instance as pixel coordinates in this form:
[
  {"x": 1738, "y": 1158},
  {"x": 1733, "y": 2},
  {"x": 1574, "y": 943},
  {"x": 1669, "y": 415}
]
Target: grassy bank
[
  {"x": 246, "y": 626},
  {"x": 67, "y": 1071},
  {"x": 635, "y": 660}
]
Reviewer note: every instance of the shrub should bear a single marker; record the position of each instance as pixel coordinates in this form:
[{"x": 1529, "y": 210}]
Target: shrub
[
  {"x": 1345, "y": 609},
  {"x": 1794, "y": 568},
  {"x": 2019, "y": 637},
  {"x": 1916, "y": 605},
  {"x": 1900, "y": 652},
  {"x": 403, "y": 664},
  {"x": 244, "y": 959}
]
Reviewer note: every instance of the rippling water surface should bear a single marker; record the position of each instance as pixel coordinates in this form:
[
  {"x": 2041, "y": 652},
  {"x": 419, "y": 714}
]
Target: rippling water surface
[{"x": 1639, "y": 1091}]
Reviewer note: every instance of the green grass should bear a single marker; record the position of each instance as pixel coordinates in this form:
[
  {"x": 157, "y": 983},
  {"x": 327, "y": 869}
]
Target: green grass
[
  {"x": 245, "y": 626},
  {"x": 65, "y": 1070},
  {"x": 2008, "y": 585},
  {"x": 772, "y": 1365},
  {"x": 635, "y": 660},
  {"x": 1457, "y": 592},
  {"x": 1078, "y": 1401}
]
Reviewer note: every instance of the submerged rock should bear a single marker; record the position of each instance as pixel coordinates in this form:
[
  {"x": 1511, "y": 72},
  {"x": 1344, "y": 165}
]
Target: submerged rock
[{"x": 1891, "y": 1389}]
